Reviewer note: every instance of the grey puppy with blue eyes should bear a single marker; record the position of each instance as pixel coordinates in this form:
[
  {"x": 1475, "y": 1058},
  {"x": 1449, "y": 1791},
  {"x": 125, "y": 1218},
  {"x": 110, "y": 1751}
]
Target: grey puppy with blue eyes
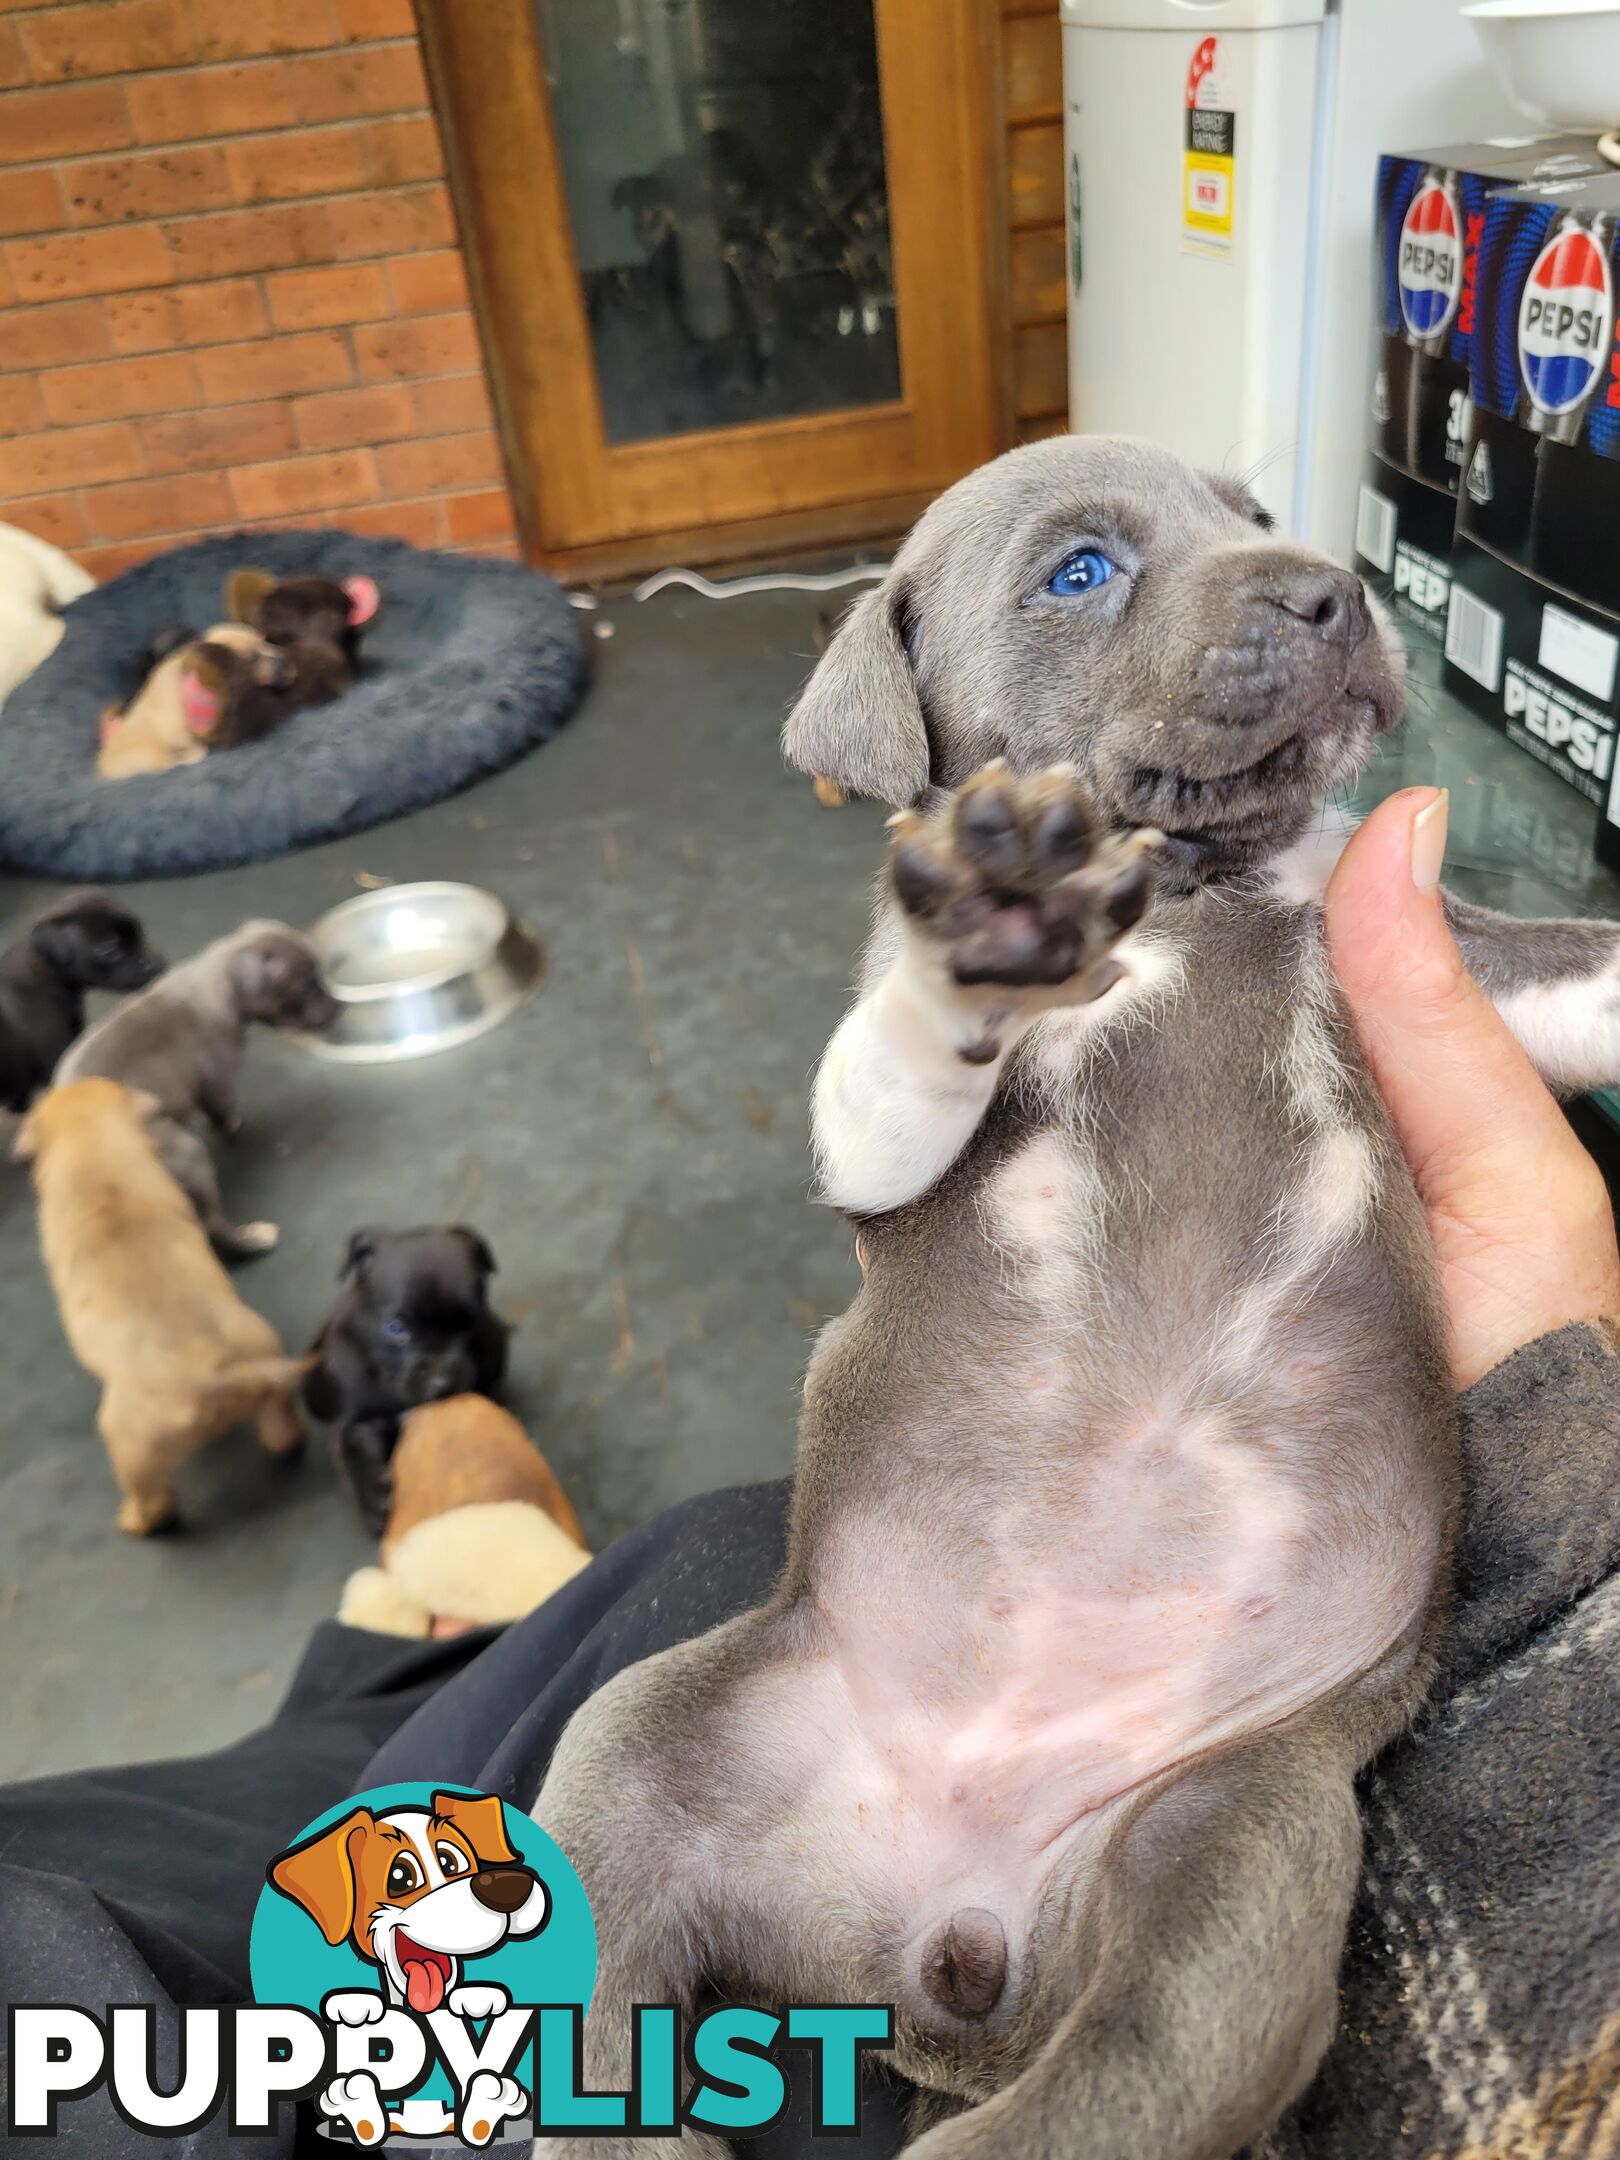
[{"x": 1127, "y": 1485}]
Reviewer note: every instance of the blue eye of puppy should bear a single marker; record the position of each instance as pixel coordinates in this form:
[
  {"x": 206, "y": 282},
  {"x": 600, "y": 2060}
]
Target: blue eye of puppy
[
  {"x": 1086, "y": 571},
  {"x": 397, "y": 1330}
]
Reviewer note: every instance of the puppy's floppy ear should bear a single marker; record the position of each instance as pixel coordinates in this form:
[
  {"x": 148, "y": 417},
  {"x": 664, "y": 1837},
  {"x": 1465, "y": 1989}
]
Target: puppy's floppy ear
[
  {"x": 323, "y": 1398},
  {"x": 264, "y": 969},
  {"x": 483, "y": 1258},
  {"x": 60, "y": 940},
  {"x": 481, "y": 1821},
  {"x": 362, "y": 1247},
  {"x": 244, "y": 591},
  {"x": 320, "y": 1874},
  {"x": 204, "y": 686},
  {"x": 860, "y": 720}
]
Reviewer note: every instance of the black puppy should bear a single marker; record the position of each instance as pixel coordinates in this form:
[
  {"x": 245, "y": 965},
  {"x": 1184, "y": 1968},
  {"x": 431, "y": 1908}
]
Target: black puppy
[
  {"x": 306, "y": 610},
  {"x": 411, "y": 1325},
  {"x": 85, "y": 942}
]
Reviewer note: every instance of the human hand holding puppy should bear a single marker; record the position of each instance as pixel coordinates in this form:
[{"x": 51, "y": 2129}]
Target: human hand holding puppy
[{"x": 1518, "y": 1210}]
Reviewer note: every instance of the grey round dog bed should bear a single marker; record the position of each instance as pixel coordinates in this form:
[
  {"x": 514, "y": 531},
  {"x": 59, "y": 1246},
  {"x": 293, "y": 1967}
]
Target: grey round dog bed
[{"x": 470, "y": 664}]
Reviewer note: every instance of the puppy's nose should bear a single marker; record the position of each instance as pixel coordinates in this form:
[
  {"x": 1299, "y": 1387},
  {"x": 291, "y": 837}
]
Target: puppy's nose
[
  {"x": 1320, "y": 595},
  {"x": 502, "y": 1889}
]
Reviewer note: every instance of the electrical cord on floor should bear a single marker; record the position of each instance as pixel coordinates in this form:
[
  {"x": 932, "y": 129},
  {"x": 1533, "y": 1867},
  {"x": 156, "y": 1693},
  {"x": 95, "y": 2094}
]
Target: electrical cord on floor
[{"x": 771, "y": 581}]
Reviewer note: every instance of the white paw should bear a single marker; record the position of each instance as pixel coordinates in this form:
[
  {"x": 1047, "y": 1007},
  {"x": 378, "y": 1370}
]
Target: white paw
[
  {"x": 357, "y": 2100},
  {"x": 479, "y": 2002},
  {"x": 258, "y": 1237},
  {"x": 487, "y": 2103},
  {"x": 352, "y": 2006}
]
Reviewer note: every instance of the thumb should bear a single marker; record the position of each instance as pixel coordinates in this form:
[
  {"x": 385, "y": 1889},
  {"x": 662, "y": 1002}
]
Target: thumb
[{"x": 1462, "y": 1093}]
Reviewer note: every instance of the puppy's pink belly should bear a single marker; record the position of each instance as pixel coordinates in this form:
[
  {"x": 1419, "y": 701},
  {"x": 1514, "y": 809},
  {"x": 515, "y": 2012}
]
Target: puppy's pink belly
[
  {"x": 992, "y": 1680},
  {"x": 953, "y": 1751},
  {"x": 989, "y": 1779}
]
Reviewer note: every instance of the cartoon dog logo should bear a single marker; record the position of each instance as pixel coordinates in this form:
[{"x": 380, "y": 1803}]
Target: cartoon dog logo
[{"x": 416, "y": 1891}]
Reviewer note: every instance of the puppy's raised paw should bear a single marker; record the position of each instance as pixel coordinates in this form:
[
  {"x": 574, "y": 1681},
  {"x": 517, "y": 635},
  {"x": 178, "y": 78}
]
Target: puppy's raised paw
[{"x": 1015, "y": 886}]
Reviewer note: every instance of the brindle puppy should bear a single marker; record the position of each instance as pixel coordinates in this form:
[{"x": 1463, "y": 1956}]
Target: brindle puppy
[{"x": 1126, "y": 1486}]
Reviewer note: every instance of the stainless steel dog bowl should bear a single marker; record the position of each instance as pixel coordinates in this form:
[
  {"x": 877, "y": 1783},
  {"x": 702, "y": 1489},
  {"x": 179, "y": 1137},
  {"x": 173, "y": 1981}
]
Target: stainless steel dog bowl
[{"x": 420, "y": 968}]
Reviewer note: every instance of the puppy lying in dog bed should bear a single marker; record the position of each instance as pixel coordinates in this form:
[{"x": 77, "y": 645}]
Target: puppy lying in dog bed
[
  {"x": 287, "y": 644},
  {"x": 471, "y": 664}
]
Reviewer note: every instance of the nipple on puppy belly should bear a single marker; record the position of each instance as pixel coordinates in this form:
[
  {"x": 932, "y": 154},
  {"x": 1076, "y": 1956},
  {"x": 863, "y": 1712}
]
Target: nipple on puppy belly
[{"x": 964, "y": 1963}]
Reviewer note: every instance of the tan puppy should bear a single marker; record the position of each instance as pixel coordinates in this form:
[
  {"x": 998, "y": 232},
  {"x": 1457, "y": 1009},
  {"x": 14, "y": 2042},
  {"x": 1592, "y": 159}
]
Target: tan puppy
[
  {"x": 146, "y": 1306},
  {"x": 172, "y": 716},
  {"x": 480, "y": 1527}
]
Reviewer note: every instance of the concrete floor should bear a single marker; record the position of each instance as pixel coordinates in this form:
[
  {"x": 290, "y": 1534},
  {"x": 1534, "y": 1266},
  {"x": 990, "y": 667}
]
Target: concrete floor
[{"x": 633, "y": 1145}]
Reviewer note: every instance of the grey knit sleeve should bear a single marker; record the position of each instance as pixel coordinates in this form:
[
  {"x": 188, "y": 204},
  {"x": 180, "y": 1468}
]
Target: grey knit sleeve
[{"x": 1541, "y": 1490}]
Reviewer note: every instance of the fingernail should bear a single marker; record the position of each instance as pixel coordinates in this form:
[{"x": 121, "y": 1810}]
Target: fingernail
[{"x": 1429, "y": 842}]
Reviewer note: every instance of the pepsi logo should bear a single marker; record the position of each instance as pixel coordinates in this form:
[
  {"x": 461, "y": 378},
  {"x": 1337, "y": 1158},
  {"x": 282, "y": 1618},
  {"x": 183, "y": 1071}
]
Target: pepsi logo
[
  {"x": 1565, "y": 320},
  {"x": 1430, "y": 272}
]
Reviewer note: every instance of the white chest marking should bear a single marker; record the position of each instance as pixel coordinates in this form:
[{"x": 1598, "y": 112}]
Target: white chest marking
[
  {"x": 1157, "y": 969},
  {"x": 1043, "y": 1213},
  {"x": 1301, "y": 873},
  {"x": 1329, "y": 1204}
]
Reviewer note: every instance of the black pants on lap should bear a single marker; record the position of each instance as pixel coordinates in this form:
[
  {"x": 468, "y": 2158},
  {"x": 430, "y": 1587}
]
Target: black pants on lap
[{"x": 138, "y": 1885}]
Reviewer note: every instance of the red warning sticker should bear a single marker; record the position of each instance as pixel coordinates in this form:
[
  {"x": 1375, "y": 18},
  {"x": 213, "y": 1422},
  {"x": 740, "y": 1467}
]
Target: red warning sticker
[
  {"x": 1209, "y": 169},
  {"x": 1203, "y": 64}
]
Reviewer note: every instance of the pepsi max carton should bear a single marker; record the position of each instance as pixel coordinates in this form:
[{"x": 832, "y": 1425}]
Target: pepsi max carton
[
  {"x": 1433, "y": 212},
  {"x": 1541, "y": 488},
  {"x": 1431, "y": 215},
  {"x": 1533, "y": 625},
  {"x": 1539, "y": 665}
]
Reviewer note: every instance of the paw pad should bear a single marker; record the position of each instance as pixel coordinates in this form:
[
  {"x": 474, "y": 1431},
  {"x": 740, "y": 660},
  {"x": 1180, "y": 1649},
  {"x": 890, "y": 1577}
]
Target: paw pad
[{"x": 1014, "y": 882}]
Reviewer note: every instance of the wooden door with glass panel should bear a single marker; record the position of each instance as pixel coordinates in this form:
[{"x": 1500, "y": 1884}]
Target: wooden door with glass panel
[{"x": 732, "y": 259}]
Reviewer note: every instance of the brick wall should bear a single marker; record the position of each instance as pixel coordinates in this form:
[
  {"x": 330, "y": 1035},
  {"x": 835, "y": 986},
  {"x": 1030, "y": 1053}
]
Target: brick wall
[{"x": 230, "y": 289}]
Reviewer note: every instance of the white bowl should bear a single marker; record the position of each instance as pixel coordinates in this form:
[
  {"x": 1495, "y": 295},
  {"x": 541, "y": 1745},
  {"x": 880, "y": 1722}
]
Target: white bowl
[{"x": 1557, "y": 59}]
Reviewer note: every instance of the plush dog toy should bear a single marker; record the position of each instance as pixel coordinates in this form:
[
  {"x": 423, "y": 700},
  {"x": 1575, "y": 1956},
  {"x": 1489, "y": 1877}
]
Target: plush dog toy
[
  {"x": 480, "y": 1527},
  {"x": 288, "y": 645}
]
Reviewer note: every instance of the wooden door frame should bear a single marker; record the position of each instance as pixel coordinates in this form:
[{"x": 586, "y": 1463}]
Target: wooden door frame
[{"x": 488, "y": 83}]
